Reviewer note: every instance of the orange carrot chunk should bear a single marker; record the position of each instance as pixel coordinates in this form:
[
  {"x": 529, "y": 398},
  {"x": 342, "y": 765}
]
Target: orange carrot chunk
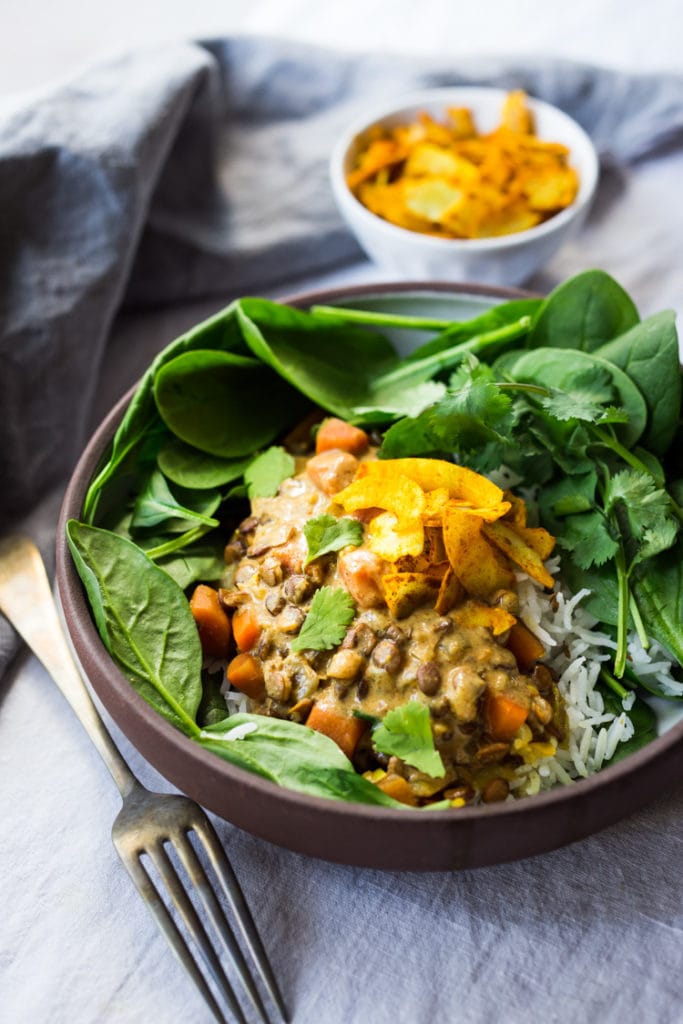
[
  {"x": 398, "y": 788},
  {"x": 245, "y": 673},
  {"x": 212, "y": 622},
  {"x": 503, "y": 717},
  {"x": 245, "y": 627},
  {"x": 345, "y": 731},
  {"x": 526, "y": 647},
  {"x": 334, "y": 433}
]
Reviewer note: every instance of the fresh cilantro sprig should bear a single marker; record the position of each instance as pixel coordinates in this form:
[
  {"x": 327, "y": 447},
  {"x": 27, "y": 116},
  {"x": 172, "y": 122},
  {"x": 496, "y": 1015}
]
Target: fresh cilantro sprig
[
  {"x": 325, "y": 533},
  {"x": 264, "y": 475},
  {"x": 331, "y": 612},
  {"x": 406, "y": 732}
]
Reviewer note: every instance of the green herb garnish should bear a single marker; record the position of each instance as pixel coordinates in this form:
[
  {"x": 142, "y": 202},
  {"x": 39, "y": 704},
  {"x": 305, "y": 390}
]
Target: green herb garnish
[
  {"x": 331, "y": 611},
  {"x": 325, "y": 533},
  {"x": 406, "y": 732},
  {"x": 264, "y": 475}
]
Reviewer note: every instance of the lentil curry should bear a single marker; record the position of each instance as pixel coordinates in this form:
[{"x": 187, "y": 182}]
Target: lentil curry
[{"x": 431, "y": 577}]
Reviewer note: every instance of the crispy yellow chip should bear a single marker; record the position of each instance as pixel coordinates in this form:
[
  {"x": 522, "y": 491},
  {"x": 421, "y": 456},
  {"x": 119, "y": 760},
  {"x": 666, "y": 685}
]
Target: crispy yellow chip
[
  {"x": 443, "y": 178},
  {"x": 480, "y": 567},
  {"x": 390, "y": 537},
  {"x": 406, "y": 591},
  {"x": 430, "y": 474},
  {"x": 489, "y": 513},
  {"x": 450, "y": 592},
  {"x": 398, "y": 530},
  {"x": 396, "y": 492},
  {"x": 509, "y": 541},
  {"x": 474, "y": 613},
  {"x": 516, "y": 116},
  {"x": 517, "y": 513},
  {"x": 537, "y": 538},
  {"x": 435, "y": 501}
]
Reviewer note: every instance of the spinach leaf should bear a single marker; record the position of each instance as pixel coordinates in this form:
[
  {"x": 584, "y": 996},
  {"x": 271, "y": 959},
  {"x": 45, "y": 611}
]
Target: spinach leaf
[
  {"x": 144, "y": 620},
  {"x": 332, "y": 365},
  {"x": 192, "y": 468},
  {"x": 293, "y": 756},
  {"x": 199, "y": 563},
  {"x": 603, "y": 600},
  {"x": 212, "y": 709},
  {"x": 219, "y": 331},
  {"x": 224, "y": 404},
  {"x": 559, "y": 368},
  {"x": 648, "y": 353},
  {"x": 658, "y": 589},
  {"x": 499, "y": 316},
  {"x": 156, "y": 504},
  {"x": 583, "y": 313},
  {"x": 266, "y": 472}
]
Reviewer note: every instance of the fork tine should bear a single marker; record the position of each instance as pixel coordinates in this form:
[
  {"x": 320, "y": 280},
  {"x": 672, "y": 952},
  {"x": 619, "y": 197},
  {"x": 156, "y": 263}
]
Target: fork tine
[
  {"x": 240, "y": 910},
  {"x": 168, "y": 927},
  {"x": 173, "y": 882},
  {"x": 198, "y": 876}
]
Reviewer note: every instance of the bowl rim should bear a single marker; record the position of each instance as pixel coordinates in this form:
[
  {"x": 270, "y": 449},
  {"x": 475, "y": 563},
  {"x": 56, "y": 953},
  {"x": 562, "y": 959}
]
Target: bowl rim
[
  {"x": 500, "y": 243},
  {"x": 86, "y": 640}
]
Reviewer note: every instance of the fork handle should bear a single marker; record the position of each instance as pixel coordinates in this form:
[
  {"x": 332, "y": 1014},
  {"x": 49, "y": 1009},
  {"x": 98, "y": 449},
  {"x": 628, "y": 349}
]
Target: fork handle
[{"x": 27, "y": 602}]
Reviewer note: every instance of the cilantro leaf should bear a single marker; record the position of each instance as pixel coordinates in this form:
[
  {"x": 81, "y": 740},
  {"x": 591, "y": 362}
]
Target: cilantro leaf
[
  {"x": 325, "y": 533},
  {"x": 264, "y": 475},
  {"x": 585, "y": 399},
  {"x": 643, "y": 512},
  {"x": 474, "y": 413},
  {"x": 588, "y": 538},
  {"x": 406, "y": 732},
  {"x": 331, "y": 611}
]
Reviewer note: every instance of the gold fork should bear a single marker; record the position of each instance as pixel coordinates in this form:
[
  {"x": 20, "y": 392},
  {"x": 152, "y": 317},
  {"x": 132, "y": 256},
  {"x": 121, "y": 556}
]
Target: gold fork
[{"x": 148, "y": 823}]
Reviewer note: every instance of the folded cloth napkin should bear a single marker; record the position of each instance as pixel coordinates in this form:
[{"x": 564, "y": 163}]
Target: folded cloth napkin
[{"x": 190, "y": 172}]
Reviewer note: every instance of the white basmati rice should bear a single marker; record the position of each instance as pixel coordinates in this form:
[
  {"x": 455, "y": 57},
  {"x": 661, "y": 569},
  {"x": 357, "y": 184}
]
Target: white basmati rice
[{"x": 576, "y": 652}]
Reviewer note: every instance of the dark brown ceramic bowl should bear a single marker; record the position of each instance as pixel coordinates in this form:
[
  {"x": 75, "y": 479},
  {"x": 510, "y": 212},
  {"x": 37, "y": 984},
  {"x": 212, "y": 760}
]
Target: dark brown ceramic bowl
[{"x": 352, "y": 833}]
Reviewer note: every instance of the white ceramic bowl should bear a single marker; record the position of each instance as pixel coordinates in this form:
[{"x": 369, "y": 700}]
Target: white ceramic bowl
[{"x": 506, "y": 260}]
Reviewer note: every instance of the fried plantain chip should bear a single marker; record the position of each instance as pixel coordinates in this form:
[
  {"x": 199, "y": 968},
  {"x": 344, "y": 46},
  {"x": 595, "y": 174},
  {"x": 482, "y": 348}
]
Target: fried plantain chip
[
  {"x": 431, "y": 474},
  {"x": 474, "y": 613},
  {"x": 508, "y": 540},
  {"x": 479, "y": 566},
  {"x": 406, "y": 591},
  {"x": 450, "y": 592},
  {"x": 445, "y": 179}
]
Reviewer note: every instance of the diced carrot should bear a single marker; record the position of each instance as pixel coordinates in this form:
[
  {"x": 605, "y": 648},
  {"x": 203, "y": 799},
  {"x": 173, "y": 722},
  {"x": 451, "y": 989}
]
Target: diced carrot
[
  {"x": 245, "y": 673},
  {"x": 212, "y": 622},
  {"x": 344, "y": 730},
  {"x": 526, "y": 647},
  {"x": 398, "y": 788},
  {"x": 503, "y": 717},
  {"x": 335, "y": 433},
  {"x": 245, "y": 627}
]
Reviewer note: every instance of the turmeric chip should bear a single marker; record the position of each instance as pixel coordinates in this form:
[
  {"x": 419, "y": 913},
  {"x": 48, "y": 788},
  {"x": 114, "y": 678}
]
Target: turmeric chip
[
  {"x": 508, "y": 540},
  {"x": 479, "y": 566},
  {"x": 446, "y": 179},
  {"x": 434, "y": 474},
  {"x": 450, "y": 592},
  {"x": 474, "y": 613},
  {"x": 406, "y": 591}
]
